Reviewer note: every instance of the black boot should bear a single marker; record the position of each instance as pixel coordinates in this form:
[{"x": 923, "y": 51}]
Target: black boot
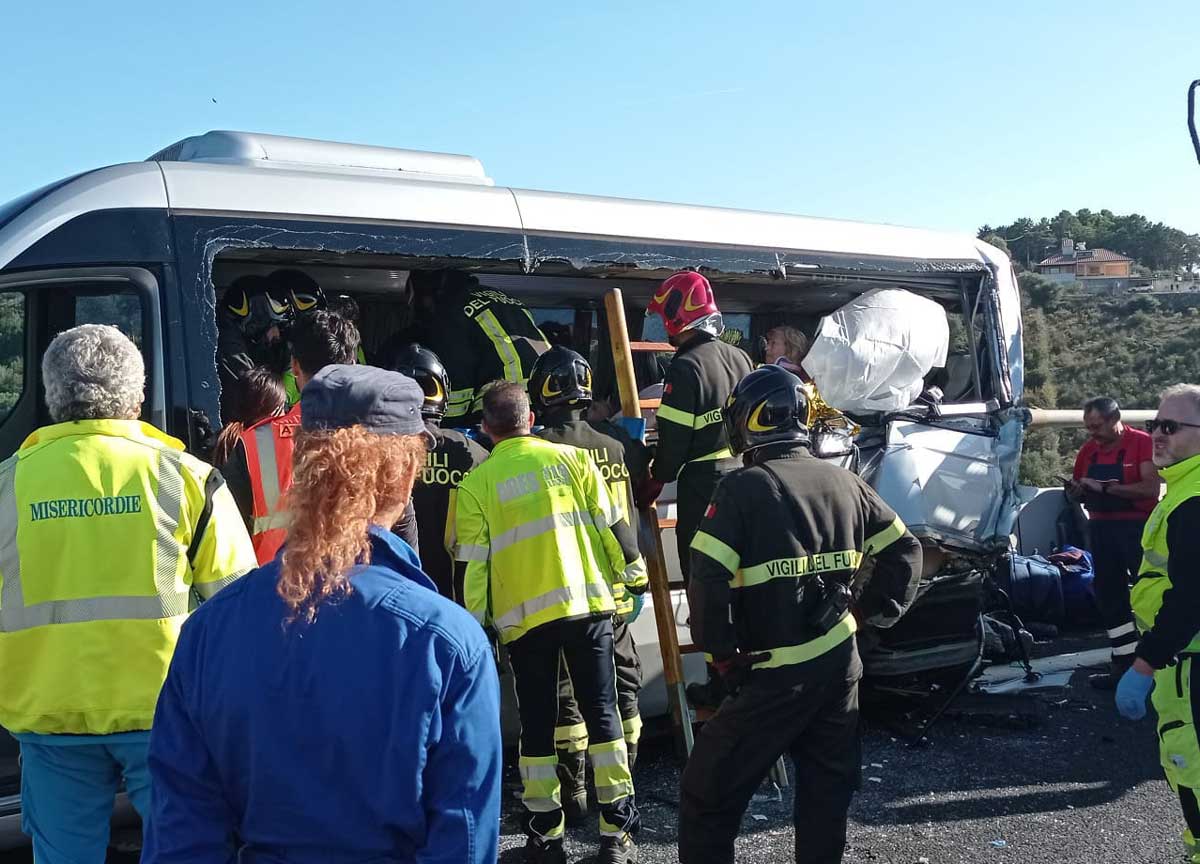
[
  {"x": 617, "y": 850},
  {"x": 572, "y": 777},
  {"x": 539, "y": 850}
]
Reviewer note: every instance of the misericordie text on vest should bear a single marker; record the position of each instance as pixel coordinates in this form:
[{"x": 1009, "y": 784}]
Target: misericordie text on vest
[{"x": 85, "y": 508}]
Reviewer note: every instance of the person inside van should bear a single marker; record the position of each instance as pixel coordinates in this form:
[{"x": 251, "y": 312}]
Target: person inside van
[
  {"x": 649, "y": 371},
  {"x": 480, "y": 333},
  {"x": 303, "y": 292},
  {"x": 252, "y": 318},
  {"x": 257, "y": 395},
  {"x": 305, "y": 299},
  {"x": 786, "y": 347},
  {"x": 558, "y": 334}
]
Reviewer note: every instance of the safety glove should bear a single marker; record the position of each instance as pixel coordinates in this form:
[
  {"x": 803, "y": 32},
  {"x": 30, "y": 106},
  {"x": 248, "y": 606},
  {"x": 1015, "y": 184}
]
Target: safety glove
[
  {"x": 734, "y": 668},
  {"x": 646, "y": 492},
  {"x": 1132, "y": 690},
  {"x": 639, "y": 600}
]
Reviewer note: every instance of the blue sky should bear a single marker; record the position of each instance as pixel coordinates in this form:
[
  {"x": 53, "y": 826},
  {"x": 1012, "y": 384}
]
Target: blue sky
[{"x": 919, "y": 113}]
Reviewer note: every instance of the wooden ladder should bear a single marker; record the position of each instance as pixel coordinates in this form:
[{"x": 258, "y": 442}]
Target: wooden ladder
[{"x": 660, "y": 581}]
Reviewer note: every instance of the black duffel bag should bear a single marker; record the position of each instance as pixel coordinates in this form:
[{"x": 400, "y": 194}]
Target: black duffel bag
[{"x": 1034, "y": 586}]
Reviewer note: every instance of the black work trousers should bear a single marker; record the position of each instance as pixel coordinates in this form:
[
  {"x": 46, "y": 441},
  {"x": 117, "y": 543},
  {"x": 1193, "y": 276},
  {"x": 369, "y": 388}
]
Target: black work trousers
[
  {"x": 587, "y": 647},
  {"x": 1191, "y": 811},
  {"x": 817, "y": 724},
  {"x": 629, "y": 685},
  {"x": 1117, "y": 555}
]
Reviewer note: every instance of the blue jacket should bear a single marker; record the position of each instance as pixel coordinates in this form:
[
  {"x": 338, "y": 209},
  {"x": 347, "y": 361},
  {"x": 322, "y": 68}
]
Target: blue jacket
[{"x": 371, "y": 735}]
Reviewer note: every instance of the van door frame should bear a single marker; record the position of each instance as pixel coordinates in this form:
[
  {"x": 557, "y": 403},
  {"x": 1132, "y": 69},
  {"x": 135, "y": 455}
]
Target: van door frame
[{"x": 145, "y": 285}]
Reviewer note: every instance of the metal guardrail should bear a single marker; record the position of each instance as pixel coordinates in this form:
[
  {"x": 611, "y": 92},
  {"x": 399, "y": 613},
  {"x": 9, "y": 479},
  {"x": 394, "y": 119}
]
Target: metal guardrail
[{"x": 1068, "y": 417}]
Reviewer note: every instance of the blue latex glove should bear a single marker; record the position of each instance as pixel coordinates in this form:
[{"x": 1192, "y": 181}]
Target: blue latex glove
[
  {"x": 639, "y": 600},
  {"x": 1132, "y": 690}
]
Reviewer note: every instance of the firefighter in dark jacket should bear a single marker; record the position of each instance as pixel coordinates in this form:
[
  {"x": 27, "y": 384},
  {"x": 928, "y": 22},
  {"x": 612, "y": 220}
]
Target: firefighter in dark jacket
[
  {"x": 693, "y": 447},
  {"x": 774, "y": 599},
  {"x": 434, "y": 495},
  {"x": 560, "y": 391},
  {"x": 252, "y": 321},
  {"x": 481, "y": 335}
]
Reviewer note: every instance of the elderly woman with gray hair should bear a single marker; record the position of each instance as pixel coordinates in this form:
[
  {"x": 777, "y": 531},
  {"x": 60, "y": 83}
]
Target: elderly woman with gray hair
[
  {"x": 108, "y": 532},
  {"x": 787, "y": 347}
]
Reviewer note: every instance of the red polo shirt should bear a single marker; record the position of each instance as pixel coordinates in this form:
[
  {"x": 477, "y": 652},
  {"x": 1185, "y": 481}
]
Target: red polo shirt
[{"x": 1134, "y": 448}]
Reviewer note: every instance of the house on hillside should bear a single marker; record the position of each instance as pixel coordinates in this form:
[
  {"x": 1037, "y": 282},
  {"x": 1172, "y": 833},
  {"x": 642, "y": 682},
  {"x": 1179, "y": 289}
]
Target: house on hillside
[{"x": 1097, "y": 270}]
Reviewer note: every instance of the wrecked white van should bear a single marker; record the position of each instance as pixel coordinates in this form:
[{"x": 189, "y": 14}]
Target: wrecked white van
[{"x": 149, "y": 246}]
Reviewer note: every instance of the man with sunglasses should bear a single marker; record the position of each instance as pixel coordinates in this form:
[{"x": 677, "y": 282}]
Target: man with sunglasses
[
  {"x": 1116, "y": 480},
  {"x": 1166, "y": 604}
]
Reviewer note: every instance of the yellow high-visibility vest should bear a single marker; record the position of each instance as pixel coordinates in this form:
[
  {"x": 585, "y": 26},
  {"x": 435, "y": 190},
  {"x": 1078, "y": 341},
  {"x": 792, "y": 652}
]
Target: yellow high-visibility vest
[
  {"x": 1172, "y": 698},
  {"x": 1183, "y": 482},
  {"x": 534, "y": 526},
  {"x": 108, "y": 532}
]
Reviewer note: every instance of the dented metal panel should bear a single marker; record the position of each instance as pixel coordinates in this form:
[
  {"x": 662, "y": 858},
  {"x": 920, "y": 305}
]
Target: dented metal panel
[
  {"x": 587, "y": 215},
  {"x": 1007, "y": 309},
  {"x": 947, "y": 485},
  {"x": 600, "y": 255},
  {"x": 604, "y": 254},
  {"x": 1009, "y": 441}
]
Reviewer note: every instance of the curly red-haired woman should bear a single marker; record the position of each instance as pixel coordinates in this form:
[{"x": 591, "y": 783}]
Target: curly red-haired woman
[{"x": 332, "y": 707}]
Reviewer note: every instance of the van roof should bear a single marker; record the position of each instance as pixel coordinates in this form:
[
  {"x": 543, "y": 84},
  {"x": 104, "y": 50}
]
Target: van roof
[{"x": 242, "y": 173}]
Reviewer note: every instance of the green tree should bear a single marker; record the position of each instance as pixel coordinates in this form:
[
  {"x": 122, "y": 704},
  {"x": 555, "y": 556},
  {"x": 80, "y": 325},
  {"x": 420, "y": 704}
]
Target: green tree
[
  {"x": 1038, "y": 291},
  {"x": 996, "y": 240},
  {"x": 1151, "y": 244}
]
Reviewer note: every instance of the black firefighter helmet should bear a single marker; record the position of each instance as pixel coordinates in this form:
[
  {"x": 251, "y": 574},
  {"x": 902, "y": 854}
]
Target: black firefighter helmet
[
  {"x": 768, "y": 406},
  {"x": 253, "y": 305},
  {"x": 560, "y": 377},
  {"x": 303, "y": 291},
  {"x": 424, "y": 367}
]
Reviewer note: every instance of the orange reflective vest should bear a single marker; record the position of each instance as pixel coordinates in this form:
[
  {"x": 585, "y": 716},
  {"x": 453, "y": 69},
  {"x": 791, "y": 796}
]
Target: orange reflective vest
[{"x": 269, "y": 462}]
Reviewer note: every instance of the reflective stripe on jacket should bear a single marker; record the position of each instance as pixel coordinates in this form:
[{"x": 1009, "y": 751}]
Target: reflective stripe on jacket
[
  {"x": 619, "y": 458},
  {"x": 699, "y": 380},
  {"x": 534, "y": 524},
  {"x": 756, "y": 554},
  {"x": 269, "y": 446},
  {"x": 482, "y": 335},
  {"x": 1167, "y": 622},
  {"x": 107, "y": 529},
  {"x": 434, "y": 497}
]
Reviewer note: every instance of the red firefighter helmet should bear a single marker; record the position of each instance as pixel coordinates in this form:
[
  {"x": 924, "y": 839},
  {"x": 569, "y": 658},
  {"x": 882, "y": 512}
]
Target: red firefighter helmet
[{"x": 685, "y": 302}]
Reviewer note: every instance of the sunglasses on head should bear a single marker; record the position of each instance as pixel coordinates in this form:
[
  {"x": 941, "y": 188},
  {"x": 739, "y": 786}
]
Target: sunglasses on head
[{"x": 1168, "y": 427}]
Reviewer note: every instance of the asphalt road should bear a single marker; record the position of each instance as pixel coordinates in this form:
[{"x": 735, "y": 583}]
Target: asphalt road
[
  {"x": 1067, "y": 783},
  {"x": 1063, "y": 781}
]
